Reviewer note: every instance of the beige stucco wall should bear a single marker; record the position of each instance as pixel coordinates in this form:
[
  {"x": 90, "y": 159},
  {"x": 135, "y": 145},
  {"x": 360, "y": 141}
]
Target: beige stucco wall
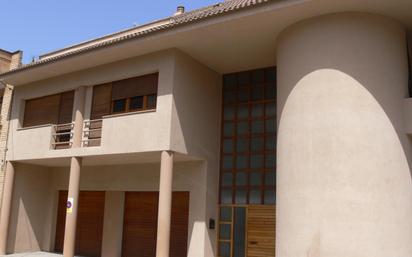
[
  {"x": 344, "y": 184},
  {"x": 32, "y": 203},
  {"x": 7, "y": 61},
  {"x": 154, "y": 127},
  {"x": 36, "y": 191},
  {"x": 186, "y": 120},
  {"x": 195, "y": 131}
]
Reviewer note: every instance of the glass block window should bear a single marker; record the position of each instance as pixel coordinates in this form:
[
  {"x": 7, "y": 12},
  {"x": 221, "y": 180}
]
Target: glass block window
[{"x": 248, "y": 152}]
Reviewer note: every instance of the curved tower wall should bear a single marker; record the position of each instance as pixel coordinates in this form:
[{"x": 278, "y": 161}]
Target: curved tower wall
[{"x": 344, "y": 183}]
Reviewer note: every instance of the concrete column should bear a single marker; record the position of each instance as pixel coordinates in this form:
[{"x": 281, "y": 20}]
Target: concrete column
[
  {"x": 6, "y": 207},
  {"x": 165, "y": 204},
  {"x": 71, "y": 216},
  {"x": 78, "y": 113},
  {"x": 344, "y": 185},
  {"x": 88, "y": 102}
]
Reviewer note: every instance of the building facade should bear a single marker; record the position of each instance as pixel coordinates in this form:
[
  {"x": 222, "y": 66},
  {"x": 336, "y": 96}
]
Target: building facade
[
  {"x": 243, "y": 129},
  {"x": 8, "y": 61}
]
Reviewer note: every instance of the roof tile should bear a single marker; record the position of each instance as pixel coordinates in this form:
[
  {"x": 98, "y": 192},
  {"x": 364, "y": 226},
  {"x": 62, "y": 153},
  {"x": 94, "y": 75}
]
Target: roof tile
[{"x": 188, "y": 17}]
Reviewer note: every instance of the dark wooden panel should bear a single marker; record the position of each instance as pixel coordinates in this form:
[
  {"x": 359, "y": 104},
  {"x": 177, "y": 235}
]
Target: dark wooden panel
[
  {"x": 89, "y": 229},
  {"x": 138, "y": 86},
  {"x": 140, "y": 220},
  {"x": 95, "y": 134},
  {"x": 140, "y": 224},
  {"x": 66, "y": 107},
  {"x": 40, "y": 111},
  {"x": 101, "y": 101},
  {"x": 60, "y": 222},
  {"x": 180, "y": 223},
  {"x": 96, "y": 124},
  {"x": 90, "y": 224},
  {"x": 94, "y": 142}
]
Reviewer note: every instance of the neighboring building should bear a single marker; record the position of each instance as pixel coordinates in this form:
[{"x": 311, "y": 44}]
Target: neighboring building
[
  {"x": 192, "y": 135},
  {"x": 8, "y": 61}
]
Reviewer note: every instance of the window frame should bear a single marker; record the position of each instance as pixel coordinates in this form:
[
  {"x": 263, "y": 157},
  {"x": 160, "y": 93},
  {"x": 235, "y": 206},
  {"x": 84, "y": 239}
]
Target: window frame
[
  {"x": 257, "y": 110},
  {"x": 127, "y": 105}
]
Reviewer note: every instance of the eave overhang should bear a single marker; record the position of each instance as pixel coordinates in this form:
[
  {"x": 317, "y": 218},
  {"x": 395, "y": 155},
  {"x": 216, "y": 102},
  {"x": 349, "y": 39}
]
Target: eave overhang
[{"x": 241, "y": 39}]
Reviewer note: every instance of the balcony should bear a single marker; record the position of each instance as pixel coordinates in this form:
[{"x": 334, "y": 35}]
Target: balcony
[
  {"x": 92, "y": 133},
  {"x": 62, "y": 136},
  {"x": 166, "y": 101}
]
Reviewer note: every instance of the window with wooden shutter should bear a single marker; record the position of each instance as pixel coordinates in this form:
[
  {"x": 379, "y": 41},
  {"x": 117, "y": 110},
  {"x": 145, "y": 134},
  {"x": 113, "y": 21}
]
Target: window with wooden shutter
[
  {"x": 102, "y": 97},
  {"x": 127, "y": 95},
  {"x": 52, "y": 109},
  {"x": 40, "y": 111},
  {"x": 138, "y": 86},
  {"x": 134, "y": 94},
  {"x": 66, "y": 107}
]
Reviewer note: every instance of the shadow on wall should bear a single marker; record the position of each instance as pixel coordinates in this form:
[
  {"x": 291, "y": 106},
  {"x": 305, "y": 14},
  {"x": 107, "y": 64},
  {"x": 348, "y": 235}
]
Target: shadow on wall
[
  {"x": 31, "y": 207},
  {"x": 364, "y": 64},
  {"x": 195, "y": 131},
  {"x": 344, "y": 121},
  {"x": 344, "y": 183},
  {"x": 357, "y": 175}
]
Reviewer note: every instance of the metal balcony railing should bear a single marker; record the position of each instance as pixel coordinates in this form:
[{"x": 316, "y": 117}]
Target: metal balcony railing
[
  {"x": 92, "y": 133},
  {"x": 62, "y": 136}
]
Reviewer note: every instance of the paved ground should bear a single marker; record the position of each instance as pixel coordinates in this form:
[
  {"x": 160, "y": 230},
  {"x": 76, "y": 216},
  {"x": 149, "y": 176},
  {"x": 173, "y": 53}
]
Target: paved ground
[{"x": 34, "y": 254}]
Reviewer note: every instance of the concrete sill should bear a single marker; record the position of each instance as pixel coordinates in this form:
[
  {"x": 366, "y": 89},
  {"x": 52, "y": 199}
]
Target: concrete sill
[
  {"x": 34, "y": 127},
  {"x": 127, "y": 113}
]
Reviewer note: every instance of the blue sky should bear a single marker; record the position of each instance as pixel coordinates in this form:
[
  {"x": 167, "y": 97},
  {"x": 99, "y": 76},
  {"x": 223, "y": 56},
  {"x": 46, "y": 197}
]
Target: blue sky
[{"x": 40, "y": 26}]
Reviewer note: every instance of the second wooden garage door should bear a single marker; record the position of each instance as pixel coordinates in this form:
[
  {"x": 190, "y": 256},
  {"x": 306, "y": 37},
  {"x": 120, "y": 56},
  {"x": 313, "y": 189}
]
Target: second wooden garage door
[
  {"x": 140, "y": 224},
  {"x": 89, "y": 228}
]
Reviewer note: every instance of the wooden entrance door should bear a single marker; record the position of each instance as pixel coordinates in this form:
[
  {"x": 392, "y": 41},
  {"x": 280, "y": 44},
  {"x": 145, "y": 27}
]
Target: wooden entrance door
[
  {"x": 261, "y": 231},
  {"x": 140, "y": 224},
  {"x": 89, "y": 228}
]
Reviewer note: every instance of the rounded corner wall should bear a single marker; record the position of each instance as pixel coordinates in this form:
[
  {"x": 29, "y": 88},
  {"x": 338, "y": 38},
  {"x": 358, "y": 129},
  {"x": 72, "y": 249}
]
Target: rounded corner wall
[{"x": 344, "y": 184}]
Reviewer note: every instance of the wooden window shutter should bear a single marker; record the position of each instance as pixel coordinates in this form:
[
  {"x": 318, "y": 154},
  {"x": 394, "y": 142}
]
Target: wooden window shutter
[
  {"x": 138, "y": 86},
  {"x": 101, "y": 101},
  {"x": 40, "y": 111},
  {"x": 66, "y": 107}
]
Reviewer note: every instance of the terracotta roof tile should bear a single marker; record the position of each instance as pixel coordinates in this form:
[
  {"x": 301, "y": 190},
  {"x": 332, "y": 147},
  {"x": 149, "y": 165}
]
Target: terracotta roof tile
[{"x": 185, "y": 18}]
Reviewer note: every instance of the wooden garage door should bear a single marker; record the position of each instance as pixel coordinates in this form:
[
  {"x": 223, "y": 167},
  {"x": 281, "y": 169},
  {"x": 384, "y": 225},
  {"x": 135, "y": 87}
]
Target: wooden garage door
[
  {"x": 140, "y": 224},
  {"x": 89, "y": 229}
]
